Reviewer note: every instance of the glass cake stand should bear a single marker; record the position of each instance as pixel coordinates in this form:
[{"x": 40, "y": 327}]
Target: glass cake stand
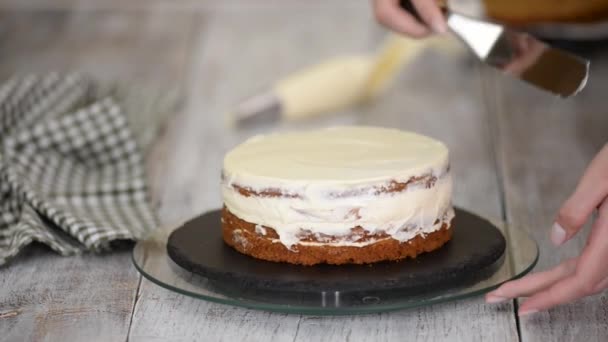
[{"x": 153, "y": 262}]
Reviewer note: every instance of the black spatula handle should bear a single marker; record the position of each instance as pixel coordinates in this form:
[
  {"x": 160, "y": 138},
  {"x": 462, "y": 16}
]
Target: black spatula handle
[{"x": 409, "y": 6}]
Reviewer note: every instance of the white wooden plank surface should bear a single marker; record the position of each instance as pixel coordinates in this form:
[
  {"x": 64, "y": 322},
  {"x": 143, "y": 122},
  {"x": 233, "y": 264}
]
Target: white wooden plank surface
[
  {"x": 237, "y": 53},
  {"x": 186, "y": 5},
  {"x": 144, "y": 46},
  {"x": 544, "y": 144},
  {"x": 468, "y": 320},
  {"x": 44, "y": 297},
  {"x": 238, "y": 50},
  {"x": 144, "y": 52}
]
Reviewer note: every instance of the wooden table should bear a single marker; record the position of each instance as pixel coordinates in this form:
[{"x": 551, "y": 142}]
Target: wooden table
[{"x": 516, "y": 155}]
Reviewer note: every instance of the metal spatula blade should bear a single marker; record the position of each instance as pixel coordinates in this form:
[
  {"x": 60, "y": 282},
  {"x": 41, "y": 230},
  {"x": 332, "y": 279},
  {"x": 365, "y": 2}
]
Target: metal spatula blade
[
  {"x": 521, "y": 55},
  {"x": 518, "y": 54}
]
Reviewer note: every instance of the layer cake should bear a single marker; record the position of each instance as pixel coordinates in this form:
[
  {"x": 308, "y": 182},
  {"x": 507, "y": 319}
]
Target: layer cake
[{"x": 337, "y": 196}]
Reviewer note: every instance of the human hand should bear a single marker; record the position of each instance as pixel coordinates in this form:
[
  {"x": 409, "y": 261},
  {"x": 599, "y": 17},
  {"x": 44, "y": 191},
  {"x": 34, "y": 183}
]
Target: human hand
[
  {"x": 581, "y": 276},
  {"x": 527, "y": 53},
  {"x": 390, "y": 14}
]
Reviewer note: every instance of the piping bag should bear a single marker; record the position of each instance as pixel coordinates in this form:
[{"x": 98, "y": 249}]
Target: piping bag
[
  {"x": 333, "y": 85},
  {"x": 346, "y": 81}
]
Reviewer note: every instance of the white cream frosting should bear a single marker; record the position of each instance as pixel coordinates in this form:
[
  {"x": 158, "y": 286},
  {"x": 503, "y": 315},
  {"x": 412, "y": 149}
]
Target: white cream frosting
[{"x": 332, "y": 177}]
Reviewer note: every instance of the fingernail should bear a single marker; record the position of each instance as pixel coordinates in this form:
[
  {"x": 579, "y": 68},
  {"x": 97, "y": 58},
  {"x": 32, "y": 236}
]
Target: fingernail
[
  {"x": 493, "y": 299},
  {"x": 558, "y": 234},
  {"x": 439, "y": 26},
  {"x": 527, "y": 312}
]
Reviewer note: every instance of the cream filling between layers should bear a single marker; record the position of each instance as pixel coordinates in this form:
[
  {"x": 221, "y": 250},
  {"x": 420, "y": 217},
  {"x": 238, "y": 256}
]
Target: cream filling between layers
[
  {"x": 342, "y": 243},
  {"x": 401, "y": 215}
]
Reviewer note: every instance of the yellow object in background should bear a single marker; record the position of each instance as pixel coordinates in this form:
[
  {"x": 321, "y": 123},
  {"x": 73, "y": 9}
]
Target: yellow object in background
[
  {"x": 339, "y": 83},
  {"x": 327, "y": 87},
  {"x": 394, "y": 54}
]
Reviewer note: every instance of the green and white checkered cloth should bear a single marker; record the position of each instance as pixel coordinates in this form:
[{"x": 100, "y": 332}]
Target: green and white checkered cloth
[{"x": 71, "y": 174}]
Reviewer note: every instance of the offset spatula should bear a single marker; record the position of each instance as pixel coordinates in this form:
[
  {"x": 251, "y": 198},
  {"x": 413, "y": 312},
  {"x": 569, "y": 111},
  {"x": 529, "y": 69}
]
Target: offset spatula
[{"x": 517, "y": 53}]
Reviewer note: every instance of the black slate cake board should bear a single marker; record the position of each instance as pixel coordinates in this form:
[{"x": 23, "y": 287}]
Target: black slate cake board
[{"x": 474, "y": 252}]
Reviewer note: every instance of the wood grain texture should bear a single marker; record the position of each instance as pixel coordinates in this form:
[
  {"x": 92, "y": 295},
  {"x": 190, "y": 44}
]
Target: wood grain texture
[
  {"x": 544, "y": 144},
  {"x": 186, "y": 5},
  {"x": 148, "y": 46},
  {"x": 468, "y": 320},
  {"x": 217, "y": 53},
  {"x": 44, "y": 297},
  {"x": 238, "y": 53},
  {"x": 143, "y": 55}
]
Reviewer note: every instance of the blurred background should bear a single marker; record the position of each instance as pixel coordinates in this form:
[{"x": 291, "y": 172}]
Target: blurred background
[{"x": 182, "y": 68}]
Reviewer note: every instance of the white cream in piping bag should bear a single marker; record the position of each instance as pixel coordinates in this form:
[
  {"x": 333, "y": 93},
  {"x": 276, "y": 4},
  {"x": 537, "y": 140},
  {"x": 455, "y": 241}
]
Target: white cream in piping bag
[{"x": 331, "y": 178}]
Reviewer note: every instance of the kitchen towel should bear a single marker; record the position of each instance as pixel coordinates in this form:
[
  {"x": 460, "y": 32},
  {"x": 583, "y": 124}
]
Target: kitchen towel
[{"x": 71, "y": 172}]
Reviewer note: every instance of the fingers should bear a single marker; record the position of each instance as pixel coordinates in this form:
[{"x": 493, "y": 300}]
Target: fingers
[
  {"x": 601, "y": 285},
  {"x": 564, "y": 291},
  {"x": 532, "y": 283},
  {"x": 530, "y": 52},
  {"x": 391, "y": 15},
  {"x": 431, "y": 14},
  {"x": 590, "y": 275},
  {"x": 592, "y": 263},
  {"x": 590, "y": 191}
]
